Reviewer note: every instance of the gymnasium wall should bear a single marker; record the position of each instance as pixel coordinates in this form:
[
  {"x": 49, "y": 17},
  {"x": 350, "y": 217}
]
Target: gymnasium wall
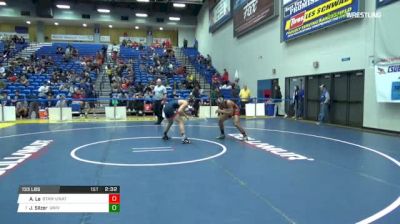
[
  {"x": 171, "y": 34},
  {"x": 114, "y": 33},
  {"x": 188, "y": 34},
  {"x": 258, "y": 52},
  {"x": 10, "y": 27}
]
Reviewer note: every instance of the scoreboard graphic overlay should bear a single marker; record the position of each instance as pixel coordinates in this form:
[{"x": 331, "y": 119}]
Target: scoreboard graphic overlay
[{"x": 67, "y": 199}]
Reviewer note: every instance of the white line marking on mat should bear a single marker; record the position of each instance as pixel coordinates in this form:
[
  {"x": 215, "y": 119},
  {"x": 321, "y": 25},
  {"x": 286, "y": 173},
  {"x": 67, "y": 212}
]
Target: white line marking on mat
[{"x": 153, "y": 149}]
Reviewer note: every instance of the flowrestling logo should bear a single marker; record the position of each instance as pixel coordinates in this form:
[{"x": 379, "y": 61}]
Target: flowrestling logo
[
  {"x": 283, "y": 153},
  {"x": 8, "y": 163}
]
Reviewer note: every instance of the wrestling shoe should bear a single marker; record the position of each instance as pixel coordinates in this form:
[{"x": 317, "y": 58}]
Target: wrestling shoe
[
  {"x": 185, "y": 141},
  {"x": 221, "y": 137},
  {"x": 165, "y": 137}
]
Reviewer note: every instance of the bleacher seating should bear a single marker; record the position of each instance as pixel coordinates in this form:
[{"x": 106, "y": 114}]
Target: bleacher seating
[
  {"x": 18, "y": 47},
  {"x": 192, "y": 53},
  {"x": 36, "y": 80},
  {"x": 142, "y": 57}
]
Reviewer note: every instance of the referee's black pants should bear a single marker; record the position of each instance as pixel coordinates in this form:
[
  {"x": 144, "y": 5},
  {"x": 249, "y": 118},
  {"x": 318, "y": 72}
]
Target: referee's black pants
[{"x": 158, "y": 110}]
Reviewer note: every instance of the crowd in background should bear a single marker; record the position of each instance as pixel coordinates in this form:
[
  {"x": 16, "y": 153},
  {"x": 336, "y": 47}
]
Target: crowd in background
[
  {"x": 9, "y": 46},
  {"x": 124, "y": 85},
  {"x": 73, "y": 85},
  {"x": 76, "y": 86}
]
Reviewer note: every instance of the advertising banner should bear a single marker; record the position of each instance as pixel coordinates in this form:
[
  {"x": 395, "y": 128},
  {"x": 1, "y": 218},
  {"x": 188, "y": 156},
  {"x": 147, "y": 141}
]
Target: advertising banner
[
  {"x": 387, "y": 56},
  {"x": 219, "y": 14},
  {"x": 300, "y": 17},
  {"x": 387, "y": 78},
  {"x": 248, "y": 14},
  {"x": 8, "y": 34},
  {"x": 106, "y": 39},
  {"x": 68, "y": 37},
  {"x": 380, "y": 3}
]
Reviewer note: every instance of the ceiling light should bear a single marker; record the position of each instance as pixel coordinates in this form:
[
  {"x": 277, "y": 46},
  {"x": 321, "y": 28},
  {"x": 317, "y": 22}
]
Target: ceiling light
[
  {"x": 110, "y": 26},
  {"x": 28, "y": 22},
  {"x": 141, "y": 14},
  {"x": 84, "y": 25},
  {"x": 103, "y": 10},
  {"x": 179, "y": 5},
  {"x": 63, "y": 6},
  {"x": 3, "y": 3},
  {"x": 143, "y": 0},
  {"x": 136, "y": 27},
  {"x": 161, "y": 28},
  {"x": 174, "y": 18},
  {"x": 56, "y": 23}
]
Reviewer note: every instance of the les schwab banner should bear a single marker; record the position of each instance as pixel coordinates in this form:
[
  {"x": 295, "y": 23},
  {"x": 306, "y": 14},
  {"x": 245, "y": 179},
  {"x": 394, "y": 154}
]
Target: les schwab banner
[
  {"x": 300, "y": 17},
  {"x": 248, "y": 14},
  {"x": 387, "y": 80}
]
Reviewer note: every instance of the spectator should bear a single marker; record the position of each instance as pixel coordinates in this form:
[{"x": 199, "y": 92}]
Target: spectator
[
  {"x": 44, "y": 90},
  {"x": 138, "y": 104},
  {"x": 215, "y": 82},
  {"x": 196, "y": 44},
  {"x": 16, "y": 98},
  {"x": 2, "y": 84},
  {"x": 295, "y": 102},
  {"x": 90, "y": 95},
  {"x": 77, "y": 98},
  {"x": 185, "y": 43},
  {"x": 325, "y": 101},
  {"x": 276, "y": 98},
  {"x": 5, "y": 99},
  {"x": 59, "y": 50},
  {"x": 225, "y": 76},
  {"x": 301, "y": 101},
  {"x": 21, "y": 105},
  {"x": 235, "y": 92},
  {"x": 2, "y": 71},
  {"x": 33, "y": 105},
  {"x": 50, "y": 102},
  {"x": 24, "y": 81},
  {"x": 215, "y": 93},
  {"x": 109, "y": 72},
  {"x": 13, "y": 78},
  {"x": 189, "y": 81},
  {"x": 209, "y": 61},
  {"x": 245, "y": 95},
  {"x": 61, "y": 102},
  {"x": 148, "y": 95},
  {"x": 160, "y": 94},
  {"x": 226, "y": 86},
  {"x": 180, "y": 71},
  {"x": 196, "y": 96}
]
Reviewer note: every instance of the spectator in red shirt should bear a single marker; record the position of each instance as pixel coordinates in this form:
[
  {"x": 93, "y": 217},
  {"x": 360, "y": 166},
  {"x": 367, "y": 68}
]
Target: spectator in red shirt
[
  {"x": 225, "y": 76},
  {"x": 78, "y": 97},
  {"x": 13, "y": 78},
  {"x": 168, "y": 44},
  {"x": 181, "y": 70},
  {"x": 216, "y": 77}
]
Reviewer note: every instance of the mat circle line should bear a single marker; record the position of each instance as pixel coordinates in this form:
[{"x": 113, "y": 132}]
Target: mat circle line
[{"x": 73, "y": 154}]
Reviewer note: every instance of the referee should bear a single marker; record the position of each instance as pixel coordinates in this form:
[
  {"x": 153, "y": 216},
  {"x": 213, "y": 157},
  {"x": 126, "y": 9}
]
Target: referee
[{"x": 160, "y": 94}]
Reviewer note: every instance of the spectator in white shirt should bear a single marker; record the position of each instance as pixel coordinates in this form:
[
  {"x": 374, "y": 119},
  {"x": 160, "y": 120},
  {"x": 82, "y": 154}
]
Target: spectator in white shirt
[{"x": 44, "y": 90}]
